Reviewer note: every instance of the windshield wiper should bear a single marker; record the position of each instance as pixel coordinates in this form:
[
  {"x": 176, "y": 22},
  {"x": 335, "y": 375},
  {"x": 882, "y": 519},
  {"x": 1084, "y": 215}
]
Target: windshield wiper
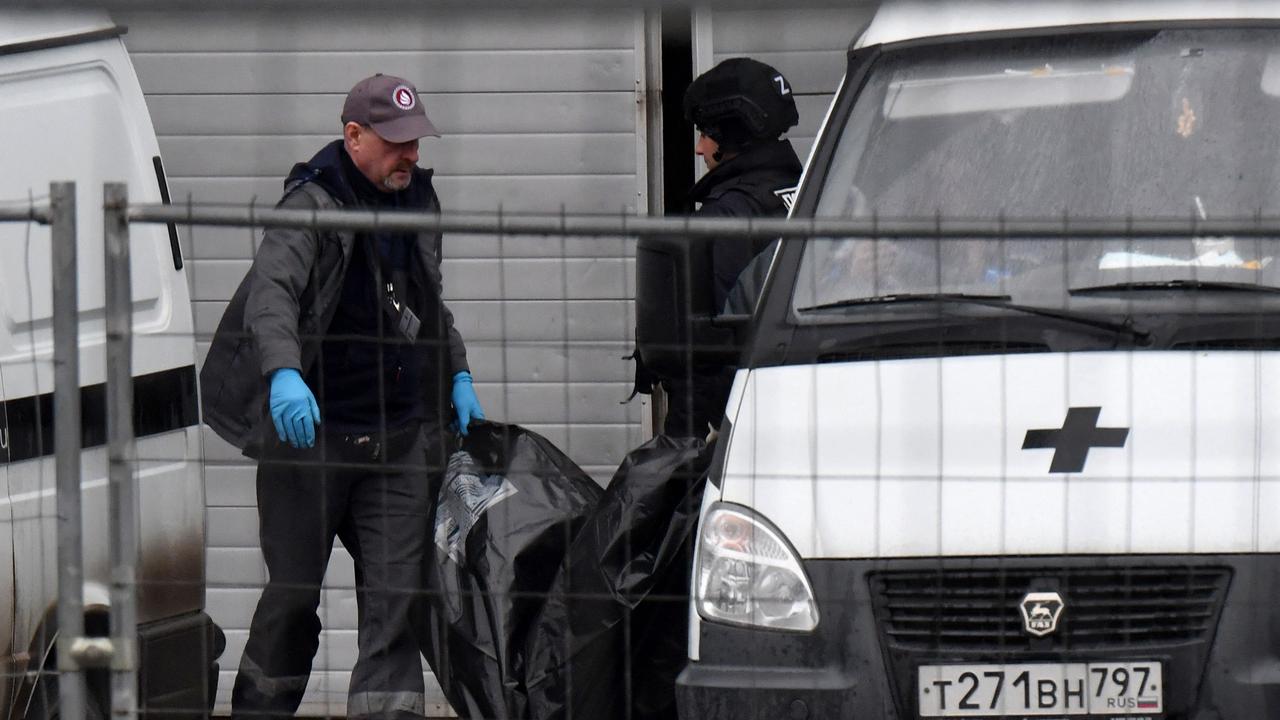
[
  {"x": 1001, "y": 300},
  {"x": 1179, "y": 285},
  {"x": 1004, "y": 302}
]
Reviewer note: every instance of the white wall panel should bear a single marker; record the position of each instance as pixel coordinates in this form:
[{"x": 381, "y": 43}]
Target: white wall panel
[
  {"x": 538, "y": 108},
  {"x": 318, "y": 114},
  {"x": 236, "y": 566},
  {"x": 546, "y": 362},
  {"x": 541, "y": 278},
  {"x": 428, "y": 27},
  {"x": 228, "y": 484},
  {"x": 598, "y": 193},
  {"x": 752, "y": 32},
  {"x": 536, "y": 320},
  {"x": 480, "y": 154},
  {"x": 431, "y": 71},
  {"x": 237, "y": 243},
  {"x": 511, "y": 246}
]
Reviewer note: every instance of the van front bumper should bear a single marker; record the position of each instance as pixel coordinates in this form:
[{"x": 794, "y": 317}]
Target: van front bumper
[
  {"x": 710, "y": 691},
  {"x": 856, "y": 664}
]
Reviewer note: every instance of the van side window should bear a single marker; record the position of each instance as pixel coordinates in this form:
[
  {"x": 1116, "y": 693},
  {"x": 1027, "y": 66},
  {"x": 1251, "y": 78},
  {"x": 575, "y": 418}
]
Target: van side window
[{"x": 28, "y": 431}]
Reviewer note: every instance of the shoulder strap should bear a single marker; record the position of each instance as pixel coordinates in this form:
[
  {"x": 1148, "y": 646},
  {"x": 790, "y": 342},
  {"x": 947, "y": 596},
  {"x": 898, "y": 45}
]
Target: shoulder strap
[{"x": 323, "y": 200}]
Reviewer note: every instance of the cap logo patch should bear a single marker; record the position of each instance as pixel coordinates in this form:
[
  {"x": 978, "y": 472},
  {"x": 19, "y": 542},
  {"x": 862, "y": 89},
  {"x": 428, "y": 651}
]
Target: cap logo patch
[{"x": 403, "y": 97}]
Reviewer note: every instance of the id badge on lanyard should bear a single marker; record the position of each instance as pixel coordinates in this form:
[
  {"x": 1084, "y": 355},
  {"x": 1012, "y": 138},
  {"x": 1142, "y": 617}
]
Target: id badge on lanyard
[
  {"x": 404, "y": 319},
  {"x": 407, "y": 323}
]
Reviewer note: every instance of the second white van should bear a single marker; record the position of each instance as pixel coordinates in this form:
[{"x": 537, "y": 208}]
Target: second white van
[{"x": 71, "y": 109}]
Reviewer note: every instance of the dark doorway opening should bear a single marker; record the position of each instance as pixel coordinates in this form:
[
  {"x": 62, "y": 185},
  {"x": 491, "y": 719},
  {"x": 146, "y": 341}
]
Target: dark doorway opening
[{"x": 677, "y": 135}]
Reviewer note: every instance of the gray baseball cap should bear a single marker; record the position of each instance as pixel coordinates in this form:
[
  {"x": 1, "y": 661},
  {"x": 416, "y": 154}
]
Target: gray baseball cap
[{"x": 390, "y": 106}]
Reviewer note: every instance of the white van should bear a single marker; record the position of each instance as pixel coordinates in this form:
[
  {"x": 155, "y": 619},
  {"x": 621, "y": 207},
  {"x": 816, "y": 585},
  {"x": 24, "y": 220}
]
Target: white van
[
  {"x": 1013, "y": 478},
  {"x": 71, "y": 109}
]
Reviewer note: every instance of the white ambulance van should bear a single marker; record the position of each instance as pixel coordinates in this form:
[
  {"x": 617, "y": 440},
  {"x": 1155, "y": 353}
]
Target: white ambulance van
[
  {"x": 71, "y": 109},
  {"x": 1013, "y": 477}
]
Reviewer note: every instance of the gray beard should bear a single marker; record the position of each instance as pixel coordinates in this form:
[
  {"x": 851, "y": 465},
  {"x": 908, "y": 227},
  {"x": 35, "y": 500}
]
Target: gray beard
[{"x": 394, "y": 186}]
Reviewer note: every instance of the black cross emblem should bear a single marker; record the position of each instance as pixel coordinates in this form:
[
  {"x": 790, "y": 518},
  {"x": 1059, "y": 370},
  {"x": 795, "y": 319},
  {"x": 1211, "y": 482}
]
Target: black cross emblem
[{"x": 1071, "y": 444}]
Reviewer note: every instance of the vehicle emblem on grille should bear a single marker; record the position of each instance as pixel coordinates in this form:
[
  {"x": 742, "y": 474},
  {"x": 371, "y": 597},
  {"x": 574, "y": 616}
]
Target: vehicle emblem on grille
[{"x": 1040, "y": 612}]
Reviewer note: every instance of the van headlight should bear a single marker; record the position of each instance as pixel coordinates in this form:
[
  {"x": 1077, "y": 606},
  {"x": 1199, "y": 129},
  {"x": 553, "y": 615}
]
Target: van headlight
[{"x": 747, "y": 573}]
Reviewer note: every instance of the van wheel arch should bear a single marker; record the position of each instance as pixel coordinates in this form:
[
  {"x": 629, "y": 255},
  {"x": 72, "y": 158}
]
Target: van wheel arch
[{"x": 41, "y": 697}]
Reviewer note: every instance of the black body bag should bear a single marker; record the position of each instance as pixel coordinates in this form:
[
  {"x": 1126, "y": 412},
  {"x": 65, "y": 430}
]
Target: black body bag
[
  {"x": 506, "y": 512},
  {"x": 612, "y": 635}
]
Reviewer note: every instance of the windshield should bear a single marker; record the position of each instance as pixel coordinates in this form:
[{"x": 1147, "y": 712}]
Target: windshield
[{"x": 1172, "y": 124}]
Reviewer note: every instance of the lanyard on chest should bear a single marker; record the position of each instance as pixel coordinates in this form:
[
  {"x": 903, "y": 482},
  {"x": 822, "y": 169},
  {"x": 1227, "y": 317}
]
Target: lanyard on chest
[{"x": 393, "y": 288}]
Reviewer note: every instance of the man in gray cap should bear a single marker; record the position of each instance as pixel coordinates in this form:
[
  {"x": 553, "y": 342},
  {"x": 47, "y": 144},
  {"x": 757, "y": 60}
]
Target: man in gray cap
[{"x": 336, "y": 365}]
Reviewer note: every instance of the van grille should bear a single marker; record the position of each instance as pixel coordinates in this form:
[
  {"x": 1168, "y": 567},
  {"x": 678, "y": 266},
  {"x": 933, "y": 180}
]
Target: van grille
[{"x": 977, "y": 609}]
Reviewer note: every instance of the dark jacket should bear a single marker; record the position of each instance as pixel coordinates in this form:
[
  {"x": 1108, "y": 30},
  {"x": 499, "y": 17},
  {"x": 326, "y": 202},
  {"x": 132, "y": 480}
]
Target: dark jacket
[
  {"x": 285, "y": 304},
  {"x": 757, "y": 183}
]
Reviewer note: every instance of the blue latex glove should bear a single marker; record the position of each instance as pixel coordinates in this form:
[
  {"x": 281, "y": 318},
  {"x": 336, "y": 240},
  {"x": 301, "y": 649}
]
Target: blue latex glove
[
  {"x": 293, "y": 408},
  {"x": 465, "y": 402}
]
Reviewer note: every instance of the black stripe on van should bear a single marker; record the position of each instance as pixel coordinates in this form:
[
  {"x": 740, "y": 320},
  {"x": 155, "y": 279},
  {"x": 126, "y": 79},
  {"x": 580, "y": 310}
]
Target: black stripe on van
[
  {"x": 63, "y": 40},
  {"x": 162, "y": 401},
  {"x": 174, "y": 248}
]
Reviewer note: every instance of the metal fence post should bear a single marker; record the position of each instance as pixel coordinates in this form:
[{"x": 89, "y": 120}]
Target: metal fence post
[
  {"x": 123, "y": 506},
  {"x": 66, "y": 443}
]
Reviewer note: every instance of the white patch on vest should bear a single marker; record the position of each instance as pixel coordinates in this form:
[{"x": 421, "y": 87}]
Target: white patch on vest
[{"x": 788, "y": 196}]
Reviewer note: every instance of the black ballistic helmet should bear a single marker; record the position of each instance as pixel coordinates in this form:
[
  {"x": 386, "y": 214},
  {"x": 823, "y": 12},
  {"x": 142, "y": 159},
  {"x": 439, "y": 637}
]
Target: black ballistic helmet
[{"x": 741, "y": 102}]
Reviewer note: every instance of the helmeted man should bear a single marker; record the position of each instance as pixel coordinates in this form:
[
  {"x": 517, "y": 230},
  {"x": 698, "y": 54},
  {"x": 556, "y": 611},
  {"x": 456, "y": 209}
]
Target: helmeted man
[
  {"x": 740, "y": 107},
  {"x": 335, "y": 365}
]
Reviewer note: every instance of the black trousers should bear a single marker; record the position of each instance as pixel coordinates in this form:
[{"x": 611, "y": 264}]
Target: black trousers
[{"x": 379, "y": 510}]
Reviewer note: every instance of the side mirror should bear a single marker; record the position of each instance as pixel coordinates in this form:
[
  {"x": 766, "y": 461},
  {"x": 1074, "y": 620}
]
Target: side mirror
[{"x": 677, "y": 326}]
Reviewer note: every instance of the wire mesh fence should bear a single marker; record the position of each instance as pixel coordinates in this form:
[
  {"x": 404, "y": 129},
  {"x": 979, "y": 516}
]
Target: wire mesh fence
[
  {"x": 1008, "y": 458},
  {"x": 900, "y": 422}
]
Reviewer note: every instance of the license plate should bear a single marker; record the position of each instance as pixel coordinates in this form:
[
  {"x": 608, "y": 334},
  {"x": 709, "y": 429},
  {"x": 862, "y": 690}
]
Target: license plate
[{"x": 1104, "y": 689}]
